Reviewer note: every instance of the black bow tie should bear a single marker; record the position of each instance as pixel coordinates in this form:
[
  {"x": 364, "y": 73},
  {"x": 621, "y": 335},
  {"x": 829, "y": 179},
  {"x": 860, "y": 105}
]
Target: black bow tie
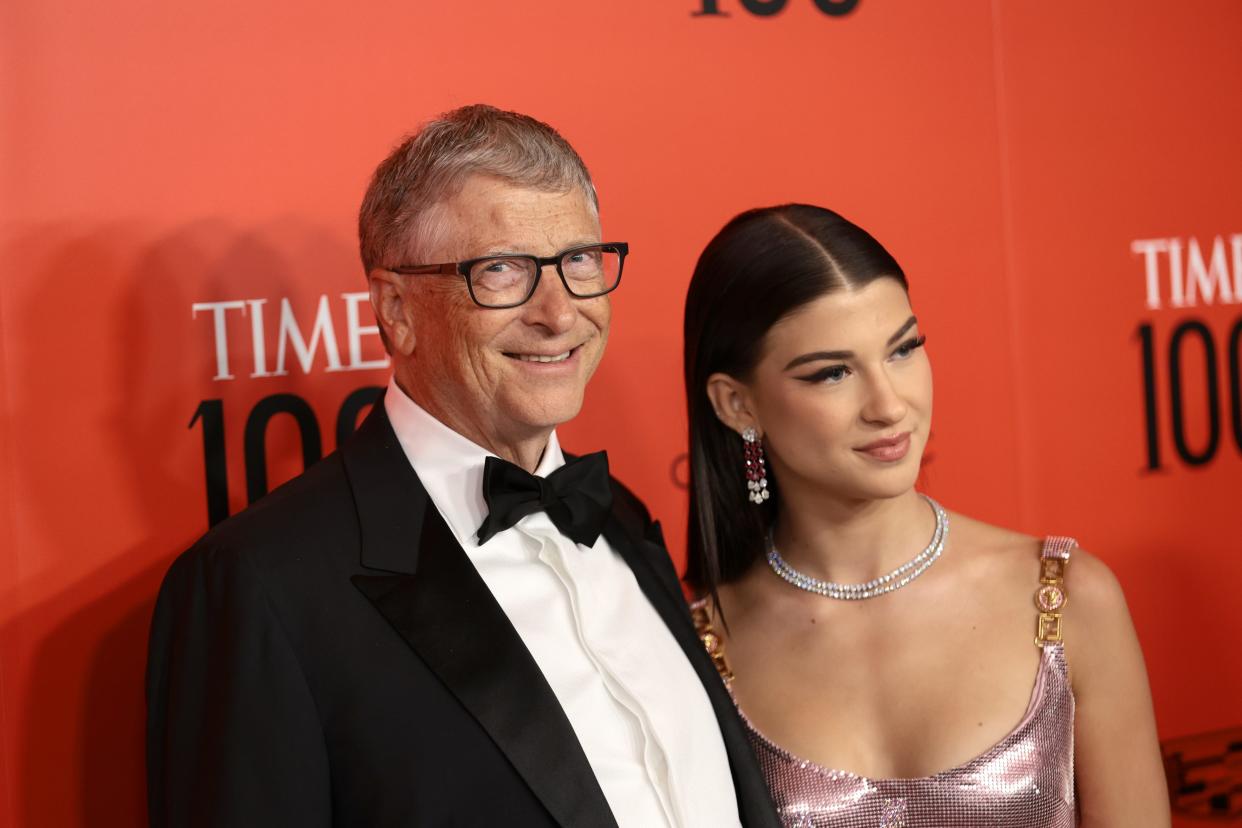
[{"x": 577, "y": 497}]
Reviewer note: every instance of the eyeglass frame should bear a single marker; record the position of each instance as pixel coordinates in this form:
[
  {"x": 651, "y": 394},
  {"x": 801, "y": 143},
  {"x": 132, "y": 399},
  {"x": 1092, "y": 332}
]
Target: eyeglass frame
[{"x": 462, "y": 269}]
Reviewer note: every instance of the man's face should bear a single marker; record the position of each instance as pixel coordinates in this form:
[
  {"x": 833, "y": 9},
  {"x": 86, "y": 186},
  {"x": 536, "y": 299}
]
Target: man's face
[{"x": 477, "y": 367}]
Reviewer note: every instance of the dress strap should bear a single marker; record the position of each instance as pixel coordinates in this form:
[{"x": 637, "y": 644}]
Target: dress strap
[
  {"x": 1051, "y": 596},
  {"x": 710, "y": 638}
]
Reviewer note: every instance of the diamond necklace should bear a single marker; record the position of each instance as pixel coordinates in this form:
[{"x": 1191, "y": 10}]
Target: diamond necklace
[{"x": 894, "y": 580}]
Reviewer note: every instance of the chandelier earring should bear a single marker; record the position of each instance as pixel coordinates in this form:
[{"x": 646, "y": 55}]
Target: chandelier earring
[{"x": 756, "y": 473}]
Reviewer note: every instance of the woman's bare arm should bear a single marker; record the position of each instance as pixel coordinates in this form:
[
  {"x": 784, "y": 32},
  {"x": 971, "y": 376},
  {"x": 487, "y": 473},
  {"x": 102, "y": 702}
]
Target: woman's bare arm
[{"x": 1117, "y": 763}]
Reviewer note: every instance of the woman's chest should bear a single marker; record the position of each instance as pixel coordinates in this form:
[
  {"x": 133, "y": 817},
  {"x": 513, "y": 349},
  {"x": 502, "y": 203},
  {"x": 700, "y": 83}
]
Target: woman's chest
[{"x": 887, "y": 699}]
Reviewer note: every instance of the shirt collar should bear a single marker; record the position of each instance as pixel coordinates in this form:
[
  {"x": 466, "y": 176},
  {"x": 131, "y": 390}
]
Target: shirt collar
[{"x": 449, "y": 465}]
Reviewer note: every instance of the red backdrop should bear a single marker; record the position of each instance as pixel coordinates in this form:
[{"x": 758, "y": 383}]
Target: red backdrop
[{"x": 1059, "y": 180}]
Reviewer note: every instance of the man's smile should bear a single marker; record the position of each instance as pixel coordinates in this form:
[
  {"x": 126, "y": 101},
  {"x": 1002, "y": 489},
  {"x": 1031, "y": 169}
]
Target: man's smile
[
  {"x": 542, "y": 357},
  {"x": 545, "y": 355}
]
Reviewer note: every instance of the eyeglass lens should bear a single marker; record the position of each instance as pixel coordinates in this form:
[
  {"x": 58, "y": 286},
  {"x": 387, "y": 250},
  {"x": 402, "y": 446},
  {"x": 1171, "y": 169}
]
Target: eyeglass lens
[{"x": 505, "y": 280}]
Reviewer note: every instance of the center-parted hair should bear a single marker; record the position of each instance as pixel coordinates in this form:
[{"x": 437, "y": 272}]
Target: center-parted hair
[
  {"x": 398, "y": 220},
  {"x": 762, "y": 266}
]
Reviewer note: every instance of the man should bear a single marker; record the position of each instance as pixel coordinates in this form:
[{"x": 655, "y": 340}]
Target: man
[{"x": 444, "y": 623}]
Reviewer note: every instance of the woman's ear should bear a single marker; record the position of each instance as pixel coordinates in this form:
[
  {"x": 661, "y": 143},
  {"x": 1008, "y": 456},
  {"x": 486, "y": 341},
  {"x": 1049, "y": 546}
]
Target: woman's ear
[{"x": 731, "y": 400}]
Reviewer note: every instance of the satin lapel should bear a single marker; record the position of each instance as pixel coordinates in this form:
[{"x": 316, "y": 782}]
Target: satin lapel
[
  {"x": 754, "y": 802},
  {"x": 442, "y": 608}
]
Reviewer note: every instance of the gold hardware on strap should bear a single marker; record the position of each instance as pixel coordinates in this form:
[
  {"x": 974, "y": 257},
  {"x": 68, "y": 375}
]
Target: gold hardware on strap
[
  {"x": 711, "y": 640},
  {"x": 1051, "y": 597}
]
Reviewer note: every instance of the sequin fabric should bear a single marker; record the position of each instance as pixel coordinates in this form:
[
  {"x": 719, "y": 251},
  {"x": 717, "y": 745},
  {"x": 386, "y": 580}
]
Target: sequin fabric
[{"x": 1026, "y": 780}]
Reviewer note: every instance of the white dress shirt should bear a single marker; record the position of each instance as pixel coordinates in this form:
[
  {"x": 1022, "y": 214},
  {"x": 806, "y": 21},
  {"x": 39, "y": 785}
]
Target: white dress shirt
[{"x": 640, "y": 713}]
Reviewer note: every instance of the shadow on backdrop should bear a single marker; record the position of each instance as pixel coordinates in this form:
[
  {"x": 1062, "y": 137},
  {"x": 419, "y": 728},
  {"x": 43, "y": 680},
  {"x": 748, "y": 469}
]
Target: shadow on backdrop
[{"x": 78, "y": 695}]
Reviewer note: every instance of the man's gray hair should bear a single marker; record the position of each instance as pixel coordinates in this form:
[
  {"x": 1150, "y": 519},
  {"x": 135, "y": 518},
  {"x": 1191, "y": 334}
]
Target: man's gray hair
[{"x": 397, "y": 223}]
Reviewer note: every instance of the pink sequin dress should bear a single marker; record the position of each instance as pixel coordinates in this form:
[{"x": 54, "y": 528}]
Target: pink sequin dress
[{"x": 1026, "y": 780}]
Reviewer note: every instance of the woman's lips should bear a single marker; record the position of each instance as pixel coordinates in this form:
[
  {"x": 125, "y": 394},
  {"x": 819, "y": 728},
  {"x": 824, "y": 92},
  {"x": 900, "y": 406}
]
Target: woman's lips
[{"x": 888, "y": 450}]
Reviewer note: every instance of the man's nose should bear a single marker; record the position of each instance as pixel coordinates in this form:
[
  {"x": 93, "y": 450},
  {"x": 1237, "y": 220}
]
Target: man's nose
[{"x": 551, "y": 306}]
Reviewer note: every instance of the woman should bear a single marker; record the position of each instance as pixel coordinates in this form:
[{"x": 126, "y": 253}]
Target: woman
[{"x": 879, "y": 647}]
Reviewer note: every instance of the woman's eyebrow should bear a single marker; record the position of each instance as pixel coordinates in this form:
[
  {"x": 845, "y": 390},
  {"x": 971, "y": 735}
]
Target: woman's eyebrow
[
  {"x": 816, "y": 356},
  {"x": 910, "y": 323}
]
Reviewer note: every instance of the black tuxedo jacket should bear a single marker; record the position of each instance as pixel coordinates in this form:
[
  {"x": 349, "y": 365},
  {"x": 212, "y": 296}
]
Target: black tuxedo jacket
[{"x": 330, "y": 657}]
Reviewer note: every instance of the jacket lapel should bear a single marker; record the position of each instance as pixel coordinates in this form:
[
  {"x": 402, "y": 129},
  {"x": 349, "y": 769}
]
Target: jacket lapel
[{"x": 435, "y": 599}]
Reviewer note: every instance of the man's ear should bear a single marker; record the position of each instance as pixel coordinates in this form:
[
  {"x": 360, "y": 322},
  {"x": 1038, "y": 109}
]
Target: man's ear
[
  {"x": 732, "y": 403},
  {"x": 389, "y": 300}
]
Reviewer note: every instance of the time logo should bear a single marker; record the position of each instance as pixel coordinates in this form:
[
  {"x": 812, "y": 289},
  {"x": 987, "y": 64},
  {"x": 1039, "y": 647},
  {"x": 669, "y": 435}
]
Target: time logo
[{"x": 767, "y": 8}]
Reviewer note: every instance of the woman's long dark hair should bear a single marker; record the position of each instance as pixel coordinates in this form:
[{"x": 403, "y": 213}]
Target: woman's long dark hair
[{"x": 762, "y": 266}]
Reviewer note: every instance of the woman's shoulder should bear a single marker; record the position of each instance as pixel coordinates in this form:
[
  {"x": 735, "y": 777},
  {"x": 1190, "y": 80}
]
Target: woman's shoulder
[
  {"x": 993, "y": 553},
  {"x": 1095, "y": 595}
]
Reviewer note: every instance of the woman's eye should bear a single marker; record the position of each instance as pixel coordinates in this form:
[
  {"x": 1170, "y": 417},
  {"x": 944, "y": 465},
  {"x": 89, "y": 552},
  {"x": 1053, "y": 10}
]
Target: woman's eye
[
  {"x": 830, "y": 375},
  {"x": 909, "y": 346}
]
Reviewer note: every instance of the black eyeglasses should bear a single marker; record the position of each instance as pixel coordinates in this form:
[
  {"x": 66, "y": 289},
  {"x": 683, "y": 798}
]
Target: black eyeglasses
[{"x": 510, "y": 280}]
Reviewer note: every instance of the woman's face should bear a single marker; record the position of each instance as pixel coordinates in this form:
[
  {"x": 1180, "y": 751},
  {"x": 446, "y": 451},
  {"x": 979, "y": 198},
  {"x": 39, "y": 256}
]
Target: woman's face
[{"x": 843, "y": 394}]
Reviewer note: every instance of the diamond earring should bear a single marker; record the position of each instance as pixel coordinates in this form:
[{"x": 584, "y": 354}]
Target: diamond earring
[{"x": 756, "y": 473}]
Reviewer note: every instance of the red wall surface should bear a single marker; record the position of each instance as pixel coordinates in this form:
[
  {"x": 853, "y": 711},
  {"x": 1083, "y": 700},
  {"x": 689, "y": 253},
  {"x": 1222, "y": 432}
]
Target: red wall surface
[{"x": 1060, "y": 182}]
